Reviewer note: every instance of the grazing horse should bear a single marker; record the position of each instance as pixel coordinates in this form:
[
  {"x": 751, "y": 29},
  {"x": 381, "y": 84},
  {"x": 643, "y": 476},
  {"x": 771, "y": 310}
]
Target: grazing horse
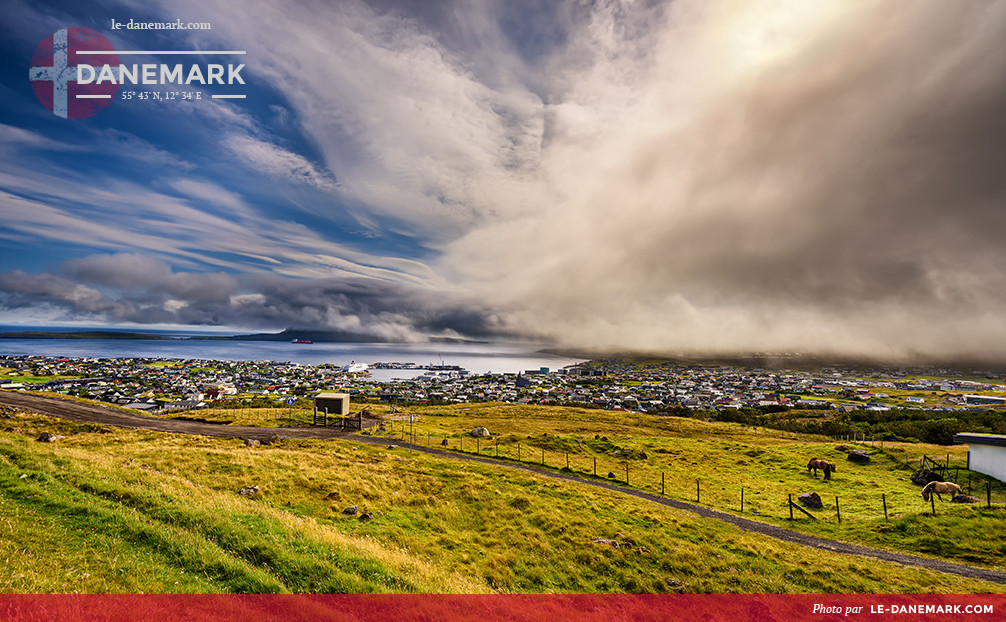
[
  {"x": 825, "y": 466},
  {"x": 940, "y": 487}
]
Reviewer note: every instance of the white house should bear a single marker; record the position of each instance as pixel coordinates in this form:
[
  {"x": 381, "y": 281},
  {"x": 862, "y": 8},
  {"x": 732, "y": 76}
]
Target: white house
[{"x": 986, "y": 453}]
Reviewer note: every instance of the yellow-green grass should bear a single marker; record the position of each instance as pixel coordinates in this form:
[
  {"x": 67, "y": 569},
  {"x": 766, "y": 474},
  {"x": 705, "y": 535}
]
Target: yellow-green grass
[
  {"x": 133, "y": 511},
  {"x": 39, "y": 379},
  {"x": 261, "y": 417}
]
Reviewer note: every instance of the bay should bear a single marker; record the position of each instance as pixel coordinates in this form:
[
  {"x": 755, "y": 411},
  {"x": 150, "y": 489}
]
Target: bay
[{"x": 494, "y": 357}]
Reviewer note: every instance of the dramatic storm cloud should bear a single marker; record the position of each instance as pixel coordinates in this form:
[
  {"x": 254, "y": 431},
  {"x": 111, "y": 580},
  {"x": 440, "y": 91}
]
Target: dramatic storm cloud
[
  {"x": 683, "y": 176},
  {"x": 783, "y": 177}
]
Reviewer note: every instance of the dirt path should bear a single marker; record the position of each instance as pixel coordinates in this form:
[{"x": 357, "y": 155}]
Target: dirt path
[{"x": 79, "y": 411}]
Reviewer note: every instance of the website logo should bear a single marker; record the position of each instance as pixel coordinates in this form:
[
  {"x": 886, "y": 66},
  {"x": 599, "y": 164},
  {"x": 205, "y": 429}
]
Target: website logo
[{"x": 53, "y": 73}]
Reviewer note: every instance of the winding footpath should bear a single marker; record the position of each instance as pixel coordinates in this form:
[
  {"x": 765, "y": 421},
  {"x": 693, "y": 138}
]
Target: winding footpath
[{"x": 103, "y": 415}]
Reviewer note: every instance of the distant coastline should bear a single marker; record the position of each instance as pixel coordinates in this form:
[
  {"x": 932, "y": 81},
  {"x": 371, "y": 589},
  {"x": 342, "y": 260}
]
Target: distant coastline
[
  {"x": 286, "y": 335},
  {"x": 87, "y": 334}
]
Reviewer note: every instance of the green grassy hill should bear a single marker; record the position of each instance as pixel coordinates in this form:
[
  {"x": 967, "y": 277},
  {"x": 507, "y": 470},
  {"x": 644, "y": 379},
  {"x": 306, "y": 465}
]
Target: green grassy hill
[{"x": 110, "y": 510}]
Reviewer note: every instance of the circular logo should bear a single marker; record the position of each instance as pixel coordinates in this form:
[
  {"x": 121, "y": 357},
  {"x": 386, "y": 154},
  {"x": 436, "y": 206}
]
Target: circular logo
[{"x": 53, "y": 73}]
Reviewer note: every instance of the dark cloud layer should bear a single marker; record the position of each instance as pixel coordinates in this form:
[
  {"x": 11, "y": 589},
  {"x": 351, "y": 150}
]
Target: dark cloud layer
[{"x": 146, "y": 291}]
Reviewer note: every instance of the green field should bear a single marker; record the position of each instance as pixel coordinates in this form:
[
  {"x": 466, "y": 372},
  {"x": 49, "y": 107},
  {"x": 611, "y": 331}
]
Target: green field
[{"x": 124, "y": 511}]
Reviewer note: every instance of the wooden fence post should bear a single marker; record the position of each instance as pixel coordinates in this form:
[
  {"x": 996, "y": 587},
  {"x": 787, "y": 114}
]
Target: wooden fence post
[
  {"x": 567, "y": 460},
  {"x": 626, "y": 473},
  {"x": 791, "y": 506},
  {"x": 661, "y": 483},
  {"x": 838, "y": 510},
  {"x": 478, "y": 445},
  {"x": 742, "y": 499},
  {"x": 883, "y": 498},
  {"x": 698, "y": 498}
]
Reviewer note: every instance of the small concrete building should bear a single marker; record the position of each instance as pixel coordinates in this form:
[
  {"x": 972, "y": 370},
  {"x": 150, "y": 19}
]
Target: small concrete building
[
  {"x": 986, "y": 453},
  {"x": 336, "y": 404}
]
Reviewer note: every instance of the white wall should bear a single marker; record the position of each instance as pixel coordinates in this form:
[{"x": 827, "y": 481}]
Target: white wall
[{"x": 989, "y": 460}]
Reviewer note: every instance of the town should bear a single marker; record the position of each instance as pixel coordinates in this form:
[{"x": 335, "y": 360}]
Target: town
[{"x": 659, "y": 386}]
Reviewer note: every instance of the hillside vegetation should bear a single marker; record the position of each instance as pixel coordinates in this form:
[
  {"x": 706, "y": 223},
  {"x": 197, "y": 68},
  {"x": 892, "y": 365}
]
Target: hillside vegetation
[{"x": 111, "y": 510}]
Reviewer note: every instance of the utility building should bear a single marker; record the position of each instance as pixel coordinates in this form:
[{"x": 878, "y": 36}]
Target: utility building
[
  {"x": 986, "y": 453},
  {"x": 335, "y": 404}
]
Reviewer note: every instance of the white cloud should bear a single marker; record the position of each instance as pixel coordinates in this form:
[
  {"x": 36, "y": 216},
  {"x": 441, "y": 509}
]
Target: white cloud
[{"x": 278, "y": 162}]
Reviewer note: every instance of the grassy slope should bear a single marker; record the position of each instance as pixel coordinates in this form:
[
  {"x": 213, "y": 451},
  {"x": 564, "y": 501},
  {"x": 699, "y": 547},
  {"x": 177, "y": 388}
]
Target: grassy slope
[{"x": 140, "y": 511}]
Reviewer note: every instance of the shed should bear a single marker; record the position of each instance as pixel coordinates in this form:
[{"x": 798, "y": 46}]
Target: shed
[
  {"x": 986, "y": 453},
  {"x": 336, "y": 404}
]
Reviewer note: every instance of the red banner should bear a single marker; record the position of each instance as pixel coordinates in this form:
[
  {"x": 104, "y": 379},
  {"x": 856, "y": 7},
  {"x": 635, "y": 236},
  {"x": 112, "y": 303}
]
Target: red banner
[{"x": 523, "y": 608}]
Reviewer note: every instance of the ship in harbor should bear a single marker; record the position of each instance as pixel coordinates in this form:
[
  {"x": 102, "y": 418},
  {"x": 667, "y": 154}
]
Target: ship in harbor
[
  {"x": 355, "y": 368},
  {"x": 301, "y": 341}
]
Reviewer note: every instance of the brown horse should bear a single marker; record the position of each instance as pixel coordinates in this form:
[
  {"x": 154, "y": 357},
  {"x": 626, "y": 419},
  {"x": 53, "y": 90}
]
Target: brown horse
[
  {"x": 940, "y": 487},
  {"x": 825, "y": 466}
]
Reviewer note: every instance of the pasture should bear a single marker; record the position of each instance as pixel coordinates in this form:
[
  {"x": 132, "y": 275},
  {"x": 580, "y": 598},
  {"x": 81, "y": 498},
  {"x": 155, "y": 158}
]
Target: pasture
[{"x": 123, "y": 510}]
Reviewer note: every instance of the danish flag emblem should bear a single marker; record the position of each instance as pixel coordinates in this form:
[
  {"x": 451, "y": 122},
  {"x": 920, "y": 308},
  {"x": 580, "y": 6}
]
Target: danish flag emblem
[{"x": 53, "y": 73}]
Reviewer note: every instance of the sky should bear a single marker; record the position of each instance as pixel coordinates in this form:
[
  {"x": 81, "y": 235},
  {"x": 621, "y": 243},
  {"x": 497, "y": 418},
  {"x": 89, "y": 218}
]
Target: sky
[{"x": 695, "y": 176}]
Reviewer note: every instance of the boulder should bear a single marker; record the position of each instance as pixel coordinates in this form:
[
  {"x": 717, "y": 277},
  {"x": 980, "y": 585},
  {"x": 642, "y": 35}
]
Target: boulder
[
  {"x": 481, "y": 433},
  {"x": 48, "y": 437},
  {"x": 366, "y": 516},
  {"x": 611, "y": 475},
  {"x": 251, "y": 442},
  {"x": 443, "y": 443},
  {"x": 811, "y": 500},
  {"x": 612, "y": 543},
  {"x": 351, "y": 510},
  {"x": 858, "y": 456},
  {"x": 249, "y": 491},
  {"x": 841, "y": 448},
  {"x": 924, "y": 476}
]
